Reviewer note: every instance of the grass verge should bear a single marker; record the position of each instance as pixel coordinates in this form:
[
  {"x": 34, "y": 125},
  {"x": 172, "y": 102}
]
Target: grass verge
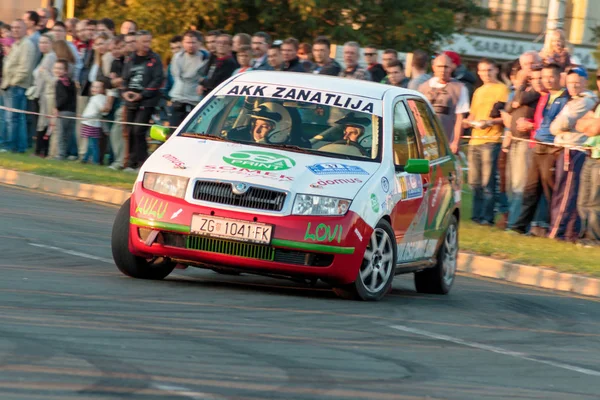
[
  {"x": 487, "y": 241},
  {"x": 69, "y": 170}
]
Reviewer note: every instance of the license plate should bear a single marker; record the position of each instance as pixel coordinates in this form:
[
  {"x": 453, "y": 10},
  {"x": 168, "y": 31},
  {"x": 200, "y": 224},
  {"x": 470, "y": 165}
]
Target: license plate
[{"x": 225, "y": 228}]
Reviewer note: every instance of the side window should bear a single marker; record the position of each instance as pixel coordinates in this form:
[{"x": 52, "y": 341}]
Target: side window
[
  {"x": 425, "y": 127},
  {"x": 439, "y": 134},
  {"x": 405, "y": 143}
]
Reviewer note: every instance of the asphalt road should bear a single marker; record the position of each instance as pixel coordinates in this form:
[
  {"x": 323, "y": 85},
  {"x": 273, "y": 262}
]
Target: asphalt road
[{"x": 73, "y": 327}]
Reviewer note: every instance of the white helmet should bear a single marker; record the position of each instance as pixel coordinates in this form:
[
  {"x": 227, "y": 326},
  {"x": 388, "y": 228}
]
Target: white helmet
[{"x": 279, "y": 117}]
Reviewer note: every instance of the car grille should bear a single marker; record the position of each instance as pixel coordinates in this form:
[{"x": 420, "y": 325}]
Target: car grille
[
  {"x": 249, "y": 250},
  {"x": 255, "y": 198},
  {"x": 240, "y": 249}
]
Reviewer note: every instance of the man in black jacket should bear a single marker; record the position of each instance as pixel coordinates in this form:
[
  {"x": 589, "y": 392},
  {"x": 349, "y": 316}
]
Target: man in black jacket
[
  {"x": 142, "y": 78},
  {"x": 221, "y": 68},
  {"x": 289, "y": 51}
]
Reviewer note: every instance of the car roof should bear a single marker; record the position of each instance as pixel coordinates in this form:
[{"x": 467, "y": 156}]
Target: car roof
[{"x": 326, "y": 83}]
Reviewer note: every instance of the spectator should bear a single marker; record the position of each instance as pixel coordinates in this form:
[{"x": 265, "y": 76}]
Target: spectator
[
  {"x": 564, "y": 221},
  {"x": 449, "y": 98},
  {"x": 187, "y": 68},
  {"x": 305, "y": 56},
  {"x": 222, "y": 68},
  {"x": 85, "y": 30},
  {"x": 485, "y": 142},
  {"x": 92, "y": 28},
  {"x": 588, "y": 199},
  {"x": 66, "y": 104},
  {"x": 418, "y": 73},
  {"x": 240, "y": 39},
  {"x": 461, "y": 73},
  {"x": 63, "y": 52},
  {"x": 91, "y": 127},
  {"x": 389, "y": 55},
  {"x": 128, "y": 26},
  {"x": 175, "y": 46},
  {"x": 324, "y": 64},
  {"x": 244, "y": 56},
  {"x": 372, "y": 60},
  {"x": 142, "y": 77},
  {"x": 395, "y": 74},
  {"x": 351, "y": 58},
  {"x": 130, "y": 43},
  {"x": 43, "y": 13},
  {"x": 117, "y": 141},
  {"x": 261, "y": 42},
  {"x": 71, "y": 25},
  {"x": 16, "y": 79},
  {"x": 100, "y": 71},
  {"x": 52, "y": 17},
  {"x": 557, "y": 52},
  {"x": 42, "y": 76},
  {"x": 540, "y": 176},
  {"x": 528, "y": 87},
  {"x": 106, "y": 25},
  {"x": 32, "y": 19},
  {"x": 211, "y": 40},
  {"x": 275, "y": 58},
  {"x": 289, "y": 53},
  {"x": 59, "y": 31}
]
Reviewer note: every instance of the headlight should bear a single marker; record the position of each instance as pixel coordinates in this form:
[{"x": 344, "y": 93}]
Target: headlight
[
  {"x": 165, "y": 184},
  {"x": 307, "y": 204}
]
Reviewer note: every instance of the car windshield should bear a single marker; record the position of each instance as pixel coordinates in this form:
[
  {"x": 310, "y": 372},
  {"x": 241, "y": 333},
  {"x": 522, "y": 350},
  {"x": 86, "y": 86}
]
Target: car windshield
[{"x": 329, "y": 124}]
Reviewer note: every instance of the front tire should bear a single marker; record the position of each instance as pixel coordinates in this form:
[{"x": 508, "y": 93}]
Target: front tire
[
  {"x": 439, "y": 279},
  {"x": 136, "y": 267},
  {"x": 377, "y": 270}
]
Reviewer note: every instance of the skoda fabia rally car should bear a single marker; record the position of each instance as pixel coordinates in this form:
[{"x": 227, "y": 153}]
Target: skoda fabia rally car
[{"x": 299, "y": 176}]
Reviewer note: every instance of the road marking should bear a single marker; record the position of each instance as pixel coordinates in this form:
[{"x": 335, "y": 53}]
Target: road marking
[
  {"x": 494, "y": 349},
  {"x": 73, "y": 253},
  {"x": 184, "y": 392}
]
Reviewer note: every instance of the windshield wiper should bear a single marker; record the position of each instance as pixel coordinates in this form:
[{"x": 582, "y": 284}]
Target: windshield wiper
[
  {"x": 288, "y": 147},
  {"x": 203, "y": 135}
]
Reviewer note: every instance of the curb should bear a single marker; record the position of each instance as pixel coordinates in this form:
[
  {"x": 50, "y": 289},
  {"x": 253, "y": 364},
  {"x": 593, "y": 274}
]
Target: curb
[
  {"x": 86, "y": 191},
  {"x": 468, "y": 263}
]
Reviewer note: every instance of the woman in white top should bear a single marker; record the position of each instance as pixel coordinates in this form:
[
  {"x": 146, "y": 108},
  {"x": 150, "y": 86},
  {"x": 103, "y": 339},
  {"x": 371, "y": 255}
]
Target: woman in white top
[{"x": 43, "y": 79}]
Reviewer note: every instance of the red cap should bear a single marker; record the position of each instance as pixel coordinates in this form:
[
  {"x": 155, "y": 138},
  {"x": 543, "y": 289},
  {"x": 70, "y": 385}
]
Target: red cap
[{"x": 454, "y": 57}]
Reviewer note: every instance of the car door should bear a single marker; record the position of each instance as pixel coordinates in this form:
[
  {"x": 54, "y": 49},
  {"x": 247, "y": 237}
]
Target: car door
[
  {"x": 410, "y": 211},
  {"x": 442, "y": 175}
]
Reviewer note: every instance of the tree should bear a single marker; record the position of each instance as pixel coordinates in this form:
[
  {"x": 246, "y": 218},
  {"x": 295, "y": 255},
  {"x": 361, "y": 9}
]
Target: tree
[{"x": 404, "y": 25}]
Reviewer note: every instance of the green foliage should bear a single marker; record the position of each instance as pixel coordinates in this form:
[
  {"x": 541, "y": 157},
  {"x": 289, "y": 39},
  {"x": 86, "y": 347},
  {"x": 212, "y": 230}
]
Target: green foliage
[{"x": 404, "y": 25}]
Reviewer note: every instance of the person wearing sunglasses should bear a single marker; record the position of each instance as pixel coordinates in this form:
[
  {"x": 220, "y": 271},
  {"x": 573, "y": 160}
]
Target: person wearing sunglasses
[{"x": 373, "y": 65}]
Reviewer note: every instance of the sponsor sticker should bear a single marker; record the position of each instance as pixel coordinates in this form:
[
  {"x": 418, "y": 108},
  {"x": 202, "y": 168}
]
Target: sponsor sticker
[
  {"x": 416, "y": 250},
  {"x": 374, "y": 203},
  {"x": 342, "y": 100},
  {"x": 358, "y": 235},
  {"x": 326, "y": 182},
  {"x": 336, "y": 169},
  {"x": 259, "y": 160},
  {"x": 385, "y": 184},
  {"x": 414, "y": 186},
  {"x": 245, "y": 172},
  {"x": 151, "y": 208},
  {"x": 176, "y": 213},
  {"x": 177, "y": 163},
  {"x": 323, "y": 233}
]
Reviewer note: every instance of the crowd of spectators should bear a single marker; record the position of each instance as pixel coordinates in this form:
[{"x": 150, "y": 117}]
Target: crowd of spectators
[{"x": 532, "y": 126}]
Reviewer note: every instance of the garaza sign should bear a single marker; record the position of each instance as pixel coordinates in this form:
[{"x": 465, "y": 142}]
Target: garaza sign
[{"x": 259, "y": 160}]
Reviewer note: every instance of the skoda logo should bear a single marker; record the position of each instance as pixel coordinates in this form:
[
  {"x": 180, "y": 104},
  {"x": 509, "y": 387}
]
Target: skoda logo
[{"x": 240, "y": 188}]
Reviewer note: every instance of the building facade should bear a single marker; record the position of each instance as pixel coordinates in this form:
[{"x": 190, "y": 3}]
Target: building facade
[
  {"x": 12, "y": 9},
  {"x": 519, "y": 25}
]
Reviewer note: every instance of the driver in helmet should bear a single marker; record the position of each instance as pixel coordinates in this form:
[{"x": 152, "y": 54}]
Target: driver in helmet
[
  {"x": 271, "y": 123},
  {"x": 354, "y": 127}
]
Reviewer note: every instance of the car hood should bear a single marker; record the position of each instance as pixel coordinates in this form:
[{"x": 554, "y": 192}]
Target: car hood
[{"x": 287, "y": 170}]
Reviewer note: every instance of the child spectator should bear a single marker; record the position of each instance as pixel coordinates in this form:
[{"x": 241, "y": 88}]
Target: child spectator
[
  {"x": 66, "y": 105},
  {"x": 243, "y": 56},
  {"x": 91, "y": 127}
]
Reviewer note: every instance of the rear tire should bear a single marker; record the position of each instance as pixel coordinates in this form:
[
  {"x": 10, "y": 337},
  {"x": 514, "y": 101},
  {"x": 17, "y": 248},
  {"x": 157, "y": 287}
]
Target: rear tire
[
  {"x": 136, "y": 267},
  {"x": 439, "y": 279},
  {"x": 378, "y": 267}
]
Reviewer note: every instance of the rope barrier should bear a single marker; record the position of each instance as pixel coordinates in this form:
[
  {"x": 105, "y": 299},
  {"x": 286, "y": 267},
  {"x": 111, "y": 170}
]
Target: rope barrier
[
  {"x": 50, "y": 116},
  {"x": 569, "y": 146}
]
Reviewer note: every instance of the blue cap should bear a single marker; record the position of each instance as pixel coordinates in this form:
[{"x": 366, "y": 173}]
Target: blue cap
[{"x": 579, "y": 71}]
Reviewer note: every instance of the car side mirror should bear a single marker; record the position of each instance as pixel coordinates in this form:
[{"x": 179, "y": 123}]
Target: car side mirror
[
  {"x": 417, "y": 166},
  {"x": 159, "y": 133}
]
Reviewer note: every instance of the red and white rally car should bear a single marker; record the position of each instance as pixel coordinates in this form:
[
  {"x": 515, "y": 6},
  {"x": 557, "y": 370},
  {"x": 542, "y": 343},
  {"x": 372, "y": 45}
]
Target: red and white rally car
[{"x": 299, "y": 176}]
